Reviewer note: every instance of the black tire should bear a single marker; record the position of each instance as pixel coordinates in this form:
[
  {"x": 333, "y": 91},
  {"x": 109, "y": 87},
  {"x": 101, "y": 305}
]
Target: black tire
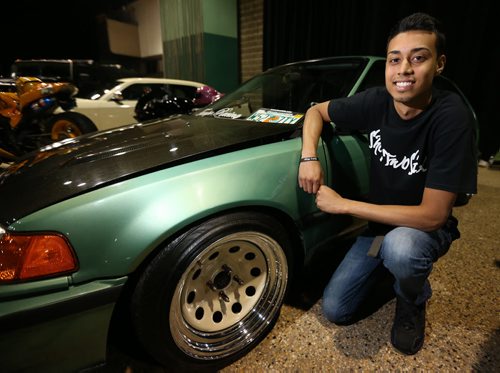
[
  {"x": 178, "y": 307},
  {"x": 69, "y": 125}
]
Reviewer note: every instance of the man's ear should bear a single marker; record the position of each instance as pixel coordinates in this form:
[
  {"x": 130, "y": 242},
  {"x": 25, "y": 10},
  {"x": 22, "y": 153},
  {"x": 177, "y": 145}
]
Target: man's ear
[{"x": 440, "y": 64}]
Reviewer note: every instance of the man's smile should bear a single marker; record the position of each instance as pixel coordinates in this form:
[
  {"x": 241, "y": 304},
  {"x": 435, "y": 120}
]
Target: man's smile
[{"x": 402, "y": 86}]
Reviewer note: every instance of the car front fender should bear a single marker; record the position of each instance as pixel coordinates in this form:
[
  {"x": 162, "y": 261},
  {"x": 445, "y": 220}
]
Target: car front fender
[{"x": 113, "y": 229}]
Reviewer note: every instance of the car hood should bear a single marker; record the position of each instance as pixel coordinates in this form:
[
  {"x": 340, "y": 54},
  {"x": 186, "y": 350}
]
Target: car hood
[{"x": 78, "y": 165}]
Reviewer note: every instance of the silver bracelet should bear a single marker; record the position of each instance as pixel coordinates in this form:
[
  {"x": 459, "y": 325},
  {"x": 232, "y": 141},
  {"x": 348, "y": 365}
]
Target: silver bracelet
[{"x": 308, "y": 159}]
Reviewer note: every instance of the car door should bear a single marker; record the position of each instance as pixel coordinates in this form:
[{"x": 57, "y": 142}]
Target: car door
[{"x": 349, "y": 149}]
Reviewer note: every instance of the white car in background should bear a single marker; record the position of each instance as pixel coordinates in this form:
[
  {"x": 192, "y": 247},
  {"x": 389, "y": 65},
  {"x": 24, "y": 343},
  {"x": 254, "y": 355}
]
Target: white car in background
[{"x": 114, "y": 106}]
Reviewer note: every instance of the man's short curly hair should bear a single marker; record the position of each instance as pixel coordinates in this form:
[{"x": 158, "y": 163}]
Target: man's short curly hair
[{"x": 421, "y": 21}]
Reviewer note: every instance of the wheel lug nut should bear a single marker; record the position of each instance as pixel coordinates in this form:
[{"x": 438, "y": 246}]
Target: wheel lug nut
[
  {"x": 227, "y": 269},
  {"x": 223, "y": 296},
  {"x": 211, "y": 285},
  {"x": 238, "y": 280}
]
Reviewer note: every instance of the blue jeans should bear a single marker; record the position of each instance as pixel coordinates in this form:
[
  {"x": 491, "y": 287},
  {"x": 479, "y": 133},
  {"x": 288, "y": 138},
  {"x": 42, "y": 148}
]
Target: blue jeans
[{"x": 407, "y": 253}]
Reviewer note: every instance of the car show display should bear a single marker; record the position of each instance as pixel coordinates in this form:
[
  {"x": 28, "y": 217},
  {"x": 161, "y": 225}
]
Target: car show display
[
  {"x": 184, "y": 234},
  {"x": 115, "y": 104},
  {"x": 28, "y": 118}
]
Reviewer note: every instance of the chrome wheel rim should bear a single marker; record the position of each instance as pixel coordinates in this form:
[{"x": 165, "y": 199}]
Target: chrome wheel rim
[{"x": 228, "y": 295}]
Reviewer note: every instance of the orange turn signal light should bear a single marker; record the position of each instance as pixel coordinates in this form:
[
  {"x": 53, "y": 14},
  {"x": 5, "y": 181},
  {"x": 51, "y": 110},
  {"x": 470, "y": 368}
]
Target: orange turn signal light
[{"x": 24, "y": 257}]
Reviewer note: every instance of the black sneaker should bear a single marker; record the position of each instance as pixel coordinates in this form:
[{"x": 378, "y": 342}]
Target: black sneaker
[{"x": 408, "y": 330}]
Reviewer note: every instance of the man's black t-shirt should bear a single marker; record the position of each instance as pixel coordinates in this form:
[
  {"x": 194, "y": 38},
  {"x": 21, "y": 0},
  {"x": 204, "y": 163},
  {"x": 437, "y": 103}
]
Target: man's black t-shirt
[{"x": 436, "y": 149}]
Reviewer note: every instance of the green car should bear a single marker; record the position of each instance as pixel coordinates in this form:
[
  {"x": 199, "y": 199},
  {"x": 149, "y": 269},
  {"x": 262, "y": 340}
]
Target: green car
[{"x": 184, "y": 233}]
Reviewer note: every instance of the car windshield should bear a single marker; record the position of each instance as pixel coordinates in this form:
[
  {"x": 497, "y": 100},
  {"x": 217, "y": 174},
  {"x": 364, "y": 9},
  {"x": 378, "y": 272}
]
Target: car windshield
[
  {"x": 103, "y": 89},
  {"x": 283, "y": 94}
]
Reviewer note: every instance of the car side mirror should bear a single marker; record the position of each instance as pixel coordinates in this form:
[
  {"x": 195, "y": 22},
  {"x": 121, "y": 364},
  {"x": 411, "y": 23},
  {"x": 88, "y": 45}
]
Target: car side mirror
[{"x": 117, "y": 97}]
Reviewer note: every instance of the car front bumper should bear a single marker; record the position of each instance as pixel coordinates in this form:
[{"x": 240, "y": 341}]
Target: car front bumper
[{"x": 57, "y": 330}]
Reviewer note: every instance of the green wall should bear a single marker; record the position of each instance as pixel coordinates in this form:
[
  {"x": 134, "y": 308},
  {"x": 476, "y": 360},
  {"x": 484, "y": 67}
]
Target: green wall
[
  {"x": 221, "y": 62},
  {"x": 200, "y": 41}
]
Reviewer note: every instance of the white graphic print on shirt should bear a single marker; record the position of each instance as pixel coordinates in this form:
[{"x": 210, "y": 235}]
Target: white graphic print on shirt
[{"x": 409, "y": 164}]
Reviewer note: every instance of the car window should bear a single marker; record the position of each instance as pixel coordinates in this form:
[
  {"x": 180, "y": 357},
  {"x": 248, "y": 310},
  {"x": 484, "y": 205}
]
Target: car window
[
  {"x": 181, "y": 91},
  {"x": 104, "y": 88},
  {"x": 134, "y": 91},
  {"x": 442, "y": 82},
  {"x": 292, "y": 88},
  {"x": 29, "y": 71},
  {"x": 375, "y": 76}
]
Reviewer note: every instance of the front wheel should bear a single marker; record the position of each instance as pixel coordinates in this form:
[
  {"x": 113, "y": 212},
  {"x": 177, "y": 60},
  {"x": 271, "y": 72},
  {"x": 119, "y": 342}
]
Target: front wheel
[
  {"x": 213, "y": 293},
  {"x": 69, "y": 125}
]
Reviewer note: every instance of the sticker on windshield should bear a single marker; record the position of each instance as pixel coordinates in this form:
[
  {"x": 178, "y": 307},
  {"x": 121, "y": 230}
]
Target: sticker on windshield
[
  {"x": 205, "y": 113},
  {"x": 227, "y": 113},
  {"x": 275, "y": 116}
]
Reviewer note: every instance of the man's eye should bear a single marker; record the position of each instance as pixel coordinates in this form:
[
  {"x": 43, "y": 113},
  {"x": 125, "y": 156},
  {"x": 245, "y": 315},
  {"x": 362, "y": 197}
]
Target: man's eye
[
  {"x": 418, "y": 59},
  {"x": 393, "y": 61}
]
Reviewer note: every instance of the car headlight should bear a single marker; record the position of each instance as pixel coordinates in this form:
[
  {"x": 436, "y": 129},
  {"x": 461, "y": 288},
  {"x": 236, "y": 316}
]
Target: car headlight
[{"x": 29, "y": 256}]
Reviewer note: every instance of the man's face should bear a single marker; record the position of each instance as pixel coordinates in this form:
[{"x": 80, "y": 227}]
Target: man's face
[{"x": 412, "y": 63}]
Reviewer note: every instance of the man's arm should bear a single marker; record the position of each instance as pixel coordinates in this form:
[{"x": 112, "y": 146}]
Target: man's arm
[
  {"x": 310, "y": 173},
  {"x": 430, "y": 215}
]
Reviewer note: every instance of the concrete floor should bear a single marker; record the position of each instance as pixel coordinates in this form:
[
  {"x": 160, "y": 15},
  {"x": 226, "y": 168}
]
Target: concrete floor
[{"x": 463, "y": 316}]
